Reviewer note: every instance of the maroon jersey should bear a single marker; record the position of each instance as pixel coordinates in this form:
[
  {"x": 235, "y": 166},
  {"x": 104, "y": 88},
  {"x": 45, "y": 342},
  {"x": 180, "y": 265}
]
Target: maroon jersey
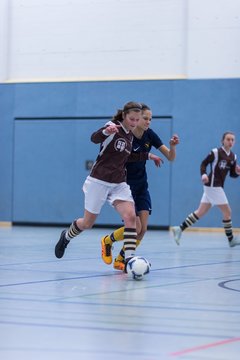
[
  {"x": 221, "y": 163},
  {"x": 114, "y": 152}
]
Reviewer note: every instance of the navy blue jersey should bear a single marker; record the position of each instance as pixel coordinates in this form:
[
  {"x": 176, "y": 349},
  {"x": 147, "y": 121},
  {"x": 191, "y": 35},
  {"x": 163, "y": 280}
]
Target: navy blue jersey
[{"x": 136, "y": 171}]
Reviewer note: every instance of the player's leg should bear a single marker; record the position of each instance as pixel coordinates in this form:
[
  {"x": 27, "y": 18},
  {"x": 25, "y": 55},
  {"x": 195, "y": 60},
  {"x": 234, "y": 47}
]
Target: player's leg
[
  {"x": 127, "y": 212},
  {"x": 191, "y": 219},
  {"x": 219, "y": 198},
  {"x": 95, "y": 197},
  {"x": 107, "y": 244},
  {"x": 143, "y": 208},
  {"x": 118, "y": 196},
  {"x": 75, "y": 229},
  {"x": 117, "y": 235},
  {"x": 143, "y": 216},
  {"x": 142, "y": 221},
  {"x": 227, "y": 224}
]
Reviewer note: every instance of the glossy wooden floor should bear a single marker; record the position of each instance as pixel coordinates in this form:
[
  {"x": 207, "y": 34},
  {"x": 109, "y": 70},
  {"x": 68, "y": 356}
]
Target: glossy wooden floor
[{"x": 77, "y": 307}]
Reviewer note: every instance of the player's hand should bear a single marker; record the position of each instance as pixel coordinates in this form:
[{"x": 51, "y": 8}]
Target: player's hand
[
  {"x": 237, "y": 169},
  {"x": 205, "y": 179},
  {"x": 157, "y": 160},
  {"x": 174, "y": 140},
  {"x": 112, "y": 129}
]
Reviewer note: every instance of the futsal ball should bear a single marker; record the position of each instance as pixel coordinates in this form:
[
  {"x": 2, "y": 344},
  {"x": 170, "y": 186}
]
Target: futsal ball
[{"x": 138, "y": 267}]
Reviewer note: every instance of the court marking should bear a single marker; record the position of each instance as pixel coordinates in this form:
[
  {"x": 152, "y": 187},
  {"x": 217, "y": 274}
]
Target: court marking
[
  {"x": 109, "y": 329},
  {"x": 222, "y": 285},
  {"x": 206, "y": 346},
  {"x": 112, "y": 274}
]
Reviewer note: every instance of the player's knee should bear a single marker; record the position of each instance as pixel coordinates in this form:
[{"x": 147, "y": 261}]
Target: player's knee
[
  {"x": 227, "y": 212},
  {"x": 130, "y": 218}
]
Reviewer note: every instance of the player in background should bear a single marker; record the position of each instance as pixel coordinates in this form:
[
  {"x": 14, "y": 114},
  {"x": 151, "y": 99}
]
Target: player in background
[
  {"x": 221, "y": 161},
  {"x": 143, "y": 140},
  {"x": 107, "y": 179}
]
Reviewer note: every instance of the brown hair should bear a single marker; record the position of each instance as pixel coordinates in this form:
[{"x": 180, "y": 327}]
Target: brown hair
[
  {"x": 145, "y": 107},
  {"x": 130, "y": 106},
  {"x": 225, "y": 134}
]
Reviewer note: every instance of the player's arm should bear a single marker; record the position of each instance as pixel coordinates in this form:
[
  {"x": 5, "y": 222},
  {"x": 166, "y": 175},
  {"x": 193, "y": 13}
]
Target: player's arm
[
  {"x": 204, "y": 164},
  {"x": 234, "y": 169},
  {"x": 143, "y": 156},
  {"x": 100, "y": 135},
  {"x": 170, "y": 153},
  {"x": 139, "y": 156},
  {"x": 157, "y": 160},
  {"x": 237, "y": 169},
  {"x": 203, "y": 167}
]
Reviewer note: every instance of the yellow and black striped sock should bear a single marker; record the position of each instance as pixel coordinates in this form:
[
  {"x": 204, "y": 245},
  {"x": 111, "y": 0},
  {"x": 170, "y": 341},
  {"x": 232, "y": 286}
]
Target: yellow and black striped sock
[{"x": 116, "y": 235}]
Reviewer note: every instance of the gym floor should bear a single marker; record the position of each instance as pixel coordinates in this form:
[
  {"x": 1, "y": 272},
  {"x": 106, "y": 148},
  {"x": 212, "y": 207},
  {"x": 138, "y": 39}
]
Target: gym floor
[{"x": 77, "y": 307}]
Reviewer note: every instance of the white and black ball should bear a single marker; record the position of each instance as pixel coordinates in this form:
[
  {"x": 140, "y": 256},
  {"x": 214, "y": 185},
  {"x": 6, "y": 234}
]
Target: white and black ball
[{"x": 138, "y": 267}]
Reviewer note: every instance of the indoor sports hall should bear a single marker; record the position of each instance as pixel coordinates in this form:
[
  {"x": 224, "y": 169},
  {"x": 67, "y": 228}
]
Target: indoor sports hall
[{"x": 66, "y": 67}]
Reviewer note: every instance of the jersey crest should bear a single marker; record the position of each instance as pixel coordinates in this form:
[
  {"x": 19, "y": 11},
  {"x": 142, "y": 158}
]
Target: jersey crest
[
  {"x": 120, "y": 144},
  {"x": 222, "y": 164}
]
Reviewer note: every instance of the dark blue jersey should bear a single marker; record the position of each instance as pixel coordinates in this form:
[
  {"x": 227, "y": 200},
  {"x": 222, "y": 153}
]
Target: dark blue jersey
[{"x": 136, "y": 171}]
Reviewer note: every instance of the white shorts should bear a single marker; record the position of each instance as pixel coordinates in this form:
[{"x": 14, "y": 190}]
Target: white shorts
[
  {"x": 214, "y": 196},
  {"x": 97, "y": 192}
]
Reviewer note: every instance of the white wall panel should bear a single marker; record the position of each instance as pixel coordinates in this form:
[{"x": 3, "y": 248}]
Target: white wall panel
[
  {"x": 97, "y": 39},
  {"x": 58, "y": 40},
  {"x": 4, "y": 39},
  {"x": 214, "y": 39}
]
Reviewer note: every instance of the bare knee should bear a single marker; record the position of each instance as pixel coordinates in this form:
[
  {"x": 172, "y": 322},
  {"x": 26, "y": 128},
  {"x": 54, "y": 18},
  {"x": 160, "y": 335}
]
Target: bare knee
[
  {"x": 227, "y": 213},
  {"x": 130, "y": 219}
]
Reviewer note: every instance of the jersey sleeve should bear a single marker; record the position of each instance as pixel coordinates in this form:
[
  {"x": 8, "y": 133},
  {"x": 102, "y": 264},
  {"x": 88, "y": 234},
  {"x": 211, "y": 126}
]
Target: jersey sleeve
[
  {"x": 155, "y": 140},
  {"x": 98, "y": 136},
  {"x": 232, "y": 172},
  {"x": 208, "y": 160}
]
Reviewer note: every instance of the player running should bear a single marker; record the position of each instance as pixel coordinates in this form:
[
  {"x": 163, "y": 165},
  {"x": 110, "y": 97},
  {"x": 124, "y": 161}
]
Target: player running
[
  {"x": 143, "y": 140},
  {"x": 222, "y": 161},
  {"x": 107, "y": 180}
]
